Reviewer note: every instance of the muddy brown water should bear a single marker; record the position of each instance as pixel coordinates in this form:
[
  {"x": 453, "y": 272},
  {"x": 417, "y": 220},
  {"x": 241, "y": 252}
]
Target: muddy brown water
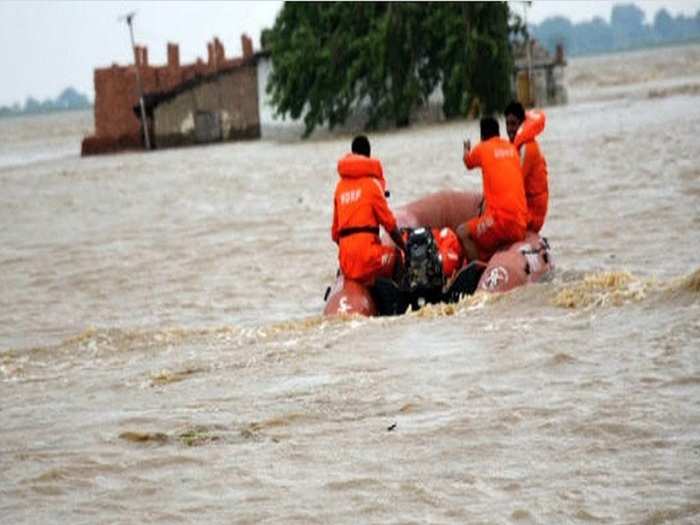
[{"x": 162, "y": 357}]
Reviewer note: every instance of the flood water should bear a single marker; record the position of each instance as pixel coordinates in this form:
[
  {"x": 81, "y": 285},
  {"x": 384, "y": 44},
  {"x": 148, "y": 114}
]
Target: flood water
[{"x": 163, "y": 358}]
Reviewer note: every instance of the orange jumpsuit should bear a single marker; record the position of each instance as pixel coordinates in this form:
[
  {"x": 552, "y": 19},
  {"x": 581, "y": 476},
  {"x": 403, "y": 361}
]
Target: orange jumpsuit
[
  {"x": 534, "y": 169},
  {"x": 504, "y": 219},
  {"x": 359, "y": 208}
]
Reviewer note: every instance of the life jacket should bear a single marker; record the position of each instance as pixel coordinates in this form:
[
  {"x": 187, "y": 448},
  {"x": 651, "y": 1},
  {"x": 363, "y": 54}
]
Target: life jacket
[
  {"x": 359, "y": 202},
  {"x": 359, "y": 209},
  {"x": 530, "y": 128},
  {"x": 450, "y": 250},
  {"x": 534, "y": 168},
  {"x": 355, "y": 166}
]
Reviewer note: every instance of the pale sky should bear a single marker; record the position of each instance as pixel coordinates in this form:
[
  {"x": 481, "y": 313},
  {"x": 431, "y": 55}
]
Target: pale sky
[{"x": 46, "y": 46}]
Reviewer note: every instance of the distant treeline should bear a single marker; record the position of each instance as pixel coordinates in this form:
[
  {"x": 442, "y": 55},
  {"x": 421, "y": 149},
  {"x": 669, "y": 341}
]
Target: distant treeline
[
  {"x": 69, "y": 99},
  {"x": 627, "y": 30}
]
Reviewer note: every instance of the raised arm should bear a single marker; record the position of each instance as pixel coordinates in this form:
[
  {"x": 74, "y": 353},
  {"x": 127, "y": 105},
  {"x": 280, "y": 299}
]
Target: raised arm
[
  {"x": 533, "y": 126},
  {"x": 472, "y": 156}
]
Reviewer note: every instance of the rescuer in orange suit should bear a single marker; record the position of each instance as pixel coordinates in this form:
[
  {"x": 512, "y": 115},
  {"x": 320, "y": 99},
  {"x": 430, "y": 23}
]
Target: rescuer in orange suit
[
  {"x": 522, "y": 128},
  {"x": 359, "y": 208},
  {"x": 504, "y": 218}
]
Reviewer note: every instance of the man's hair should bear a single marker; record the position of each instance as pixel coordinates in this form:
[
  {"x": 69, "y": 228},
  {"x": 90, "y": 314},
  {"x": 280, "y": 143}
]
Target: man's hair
[
  {"x": 360, "y": 145},
  {"x": 489, "y": 128},
  {"x": 515, "y": 108}
]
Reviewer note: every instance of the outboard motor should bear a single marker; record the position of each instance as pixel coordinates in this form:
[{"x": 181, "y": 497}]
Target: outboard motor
[{"x": 423, "y": 278}]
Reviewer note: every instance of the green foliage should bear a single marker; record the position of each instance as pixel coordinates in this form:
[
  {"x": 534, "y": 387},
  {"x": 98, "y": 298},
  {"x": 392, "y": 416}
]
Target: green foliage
[
  {"x": 331, "y": 59},
  {"x": 492, "y": 62},
  {"x": 627, "y": 22}
]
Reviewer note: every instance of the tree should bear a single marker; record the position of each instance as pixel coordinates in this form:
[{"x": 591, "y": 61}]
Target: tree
[
  {"x": 404, "y": 77},
  {"x": 331, "y": 59},
  {"x": 71, "y": 99},
  {"x": 685, "y": 28},
  {"x": 663, "y": 24},
  {"x": 488, "y": 47},
  {"x": 555, "y": 30},
  {"x": 592, "y": 37},
  {"x": 32, "y": 105},
  {"x": 627, "y": 23}
]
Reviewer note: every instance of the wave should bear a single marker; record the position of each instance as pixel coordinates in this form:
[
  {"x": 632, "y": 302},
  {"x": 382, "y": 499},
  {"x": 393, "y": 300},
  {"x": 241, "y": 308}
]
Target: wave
[
  {"x": 602, "y": 289},
  {"x": 617, "y": 288},
  {"x": 633, "y": 67},
  {"x": 567, "y": 290},
  {"x": 683, "y": 89},
  {"x": 691, "y": 283},
  {"x": 574, "y": 290},
  {"x": 96, "y": 342}
]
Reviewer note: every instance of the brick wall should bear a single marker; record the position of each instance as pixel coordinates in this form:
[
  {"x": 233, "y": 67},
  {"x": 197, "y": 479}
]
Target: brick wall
[
  {"x": 116, "y": 92},
  {"x": 232, "y": 95}
]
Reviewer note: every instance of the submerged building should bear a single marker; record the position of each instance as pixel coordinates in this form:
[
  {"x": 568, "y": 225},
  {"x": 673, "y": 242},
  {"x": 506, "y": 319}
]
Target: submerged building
[
  {"x": 225, "y": 99},
  {"x": 208, "y": 101},
  {"x": 216, "y": 107},
  {"x": 538, "y": 77}
]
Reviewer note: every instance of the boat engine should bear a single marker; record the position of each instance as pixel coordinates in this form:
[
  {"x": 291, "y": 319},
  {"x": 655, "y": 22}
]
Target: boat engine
[{"x": 423, "y": 277}]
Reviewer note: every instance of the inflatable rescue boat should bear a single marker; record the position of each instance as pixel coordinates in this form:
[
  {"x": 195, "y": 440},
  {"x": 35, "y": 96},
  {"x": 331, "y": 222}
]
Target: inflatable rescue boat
[{"x": 434, "y": 271}]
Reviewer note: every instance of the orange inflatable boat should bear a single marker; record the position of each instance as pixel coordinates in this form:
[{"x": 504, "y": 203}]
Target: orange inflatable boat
[{"x": 429, "y": 276}]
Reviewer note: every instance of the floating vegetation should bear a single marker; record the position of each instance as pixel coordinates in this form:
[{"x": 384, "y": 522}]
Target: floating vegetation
[
  {"x": 165, "y": 377},
  {"x": 197, "y": 436},
  {"x": 257, "y": 429},
  {"x": 692, "y": 282},
  {"x": 144, "y": 437}
]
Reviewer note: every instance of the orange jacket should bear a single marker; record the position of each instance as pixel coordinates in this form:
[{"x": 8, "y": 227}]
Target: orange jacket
[
  {"x": 504, "y": 193},
  {"x": 530, "y": 128},
  {"x": 450, "y": 250},
  {"x": 359, "y": 208},
  {"x": 534, "y": 168},
  {"x": 359, "y": 200}
]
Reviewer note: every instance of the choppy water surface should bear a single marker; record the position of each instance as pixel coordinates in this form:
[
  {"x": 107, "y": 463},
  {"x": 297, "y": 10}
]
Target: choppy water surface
[{"x": 162, "y": 358}]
